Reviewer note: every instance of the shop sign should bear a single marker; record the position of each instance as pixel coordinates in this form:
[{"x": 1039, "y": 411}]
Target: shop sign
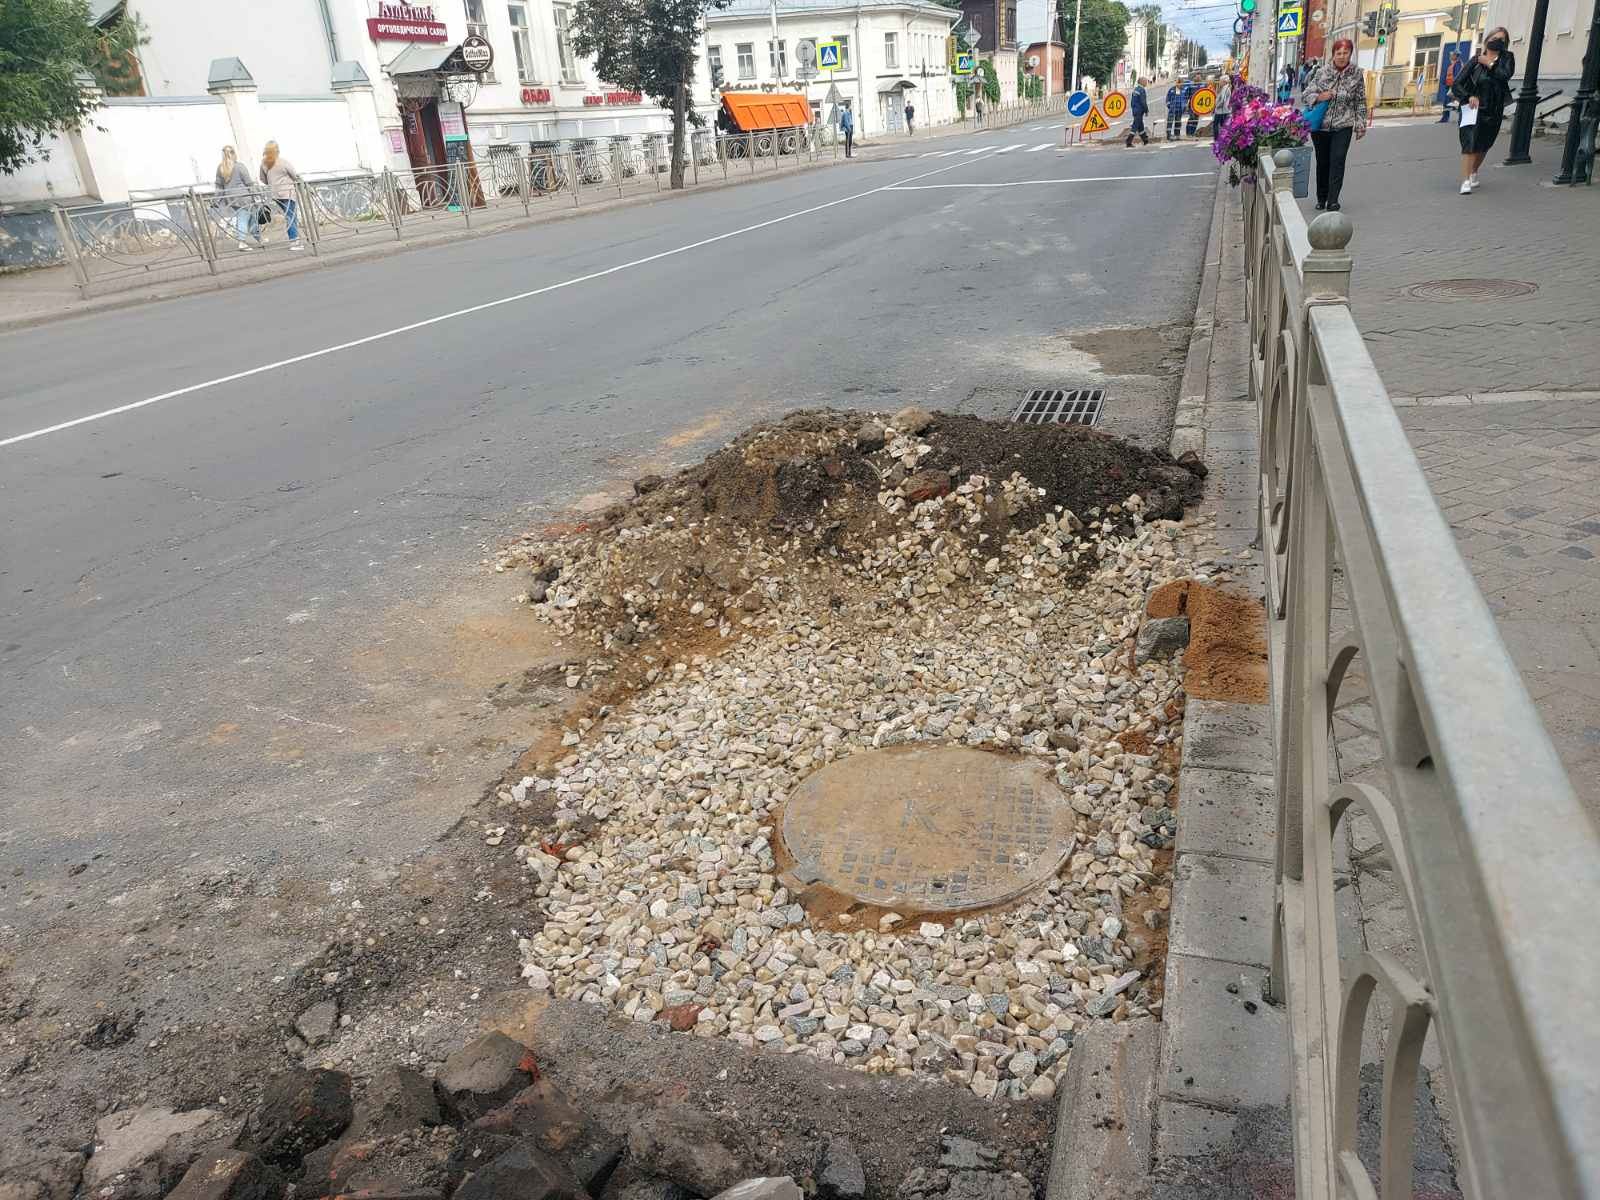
[
  {"x": 536, "y": 95},
  {"x": 452, "y": 121},
  {"x": 405, "y": 23},
  {"x": 477, "y": 54},
  {"x": 397, "y": 141},
  {"x": 614, "y": 98}
]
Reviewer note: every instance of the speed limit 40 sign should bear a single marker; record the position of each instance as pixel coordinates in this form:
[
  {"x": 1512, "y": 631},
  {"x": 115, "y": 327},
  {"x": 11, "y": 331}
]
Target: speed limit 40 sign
[
  {"x": 1204, "y": 102},
  {"x": 1115, "y": 104}
]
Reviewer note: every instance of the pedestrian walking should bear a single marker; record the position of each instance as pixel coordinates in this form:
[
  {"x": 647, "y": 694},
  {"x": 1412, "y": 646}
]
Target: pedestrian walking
[
  {"x": 1451, "y": 73},
  {"x": 237, "y": 205},
  {"x": 1483, "y": 89},
  {"x": 980, "y": 110},
  {"x": 1287, "y": 86},
  {"x": 1174, "y": 110},
  {"x": 1219, "y": 119},
  {"x": 911, "y": 117},
  {"x": 1140, "y": 105},
  {"x": 279, "y": 178},
  {"x": 1340, "y": 85},
  {"x": 847, "y": 126}
]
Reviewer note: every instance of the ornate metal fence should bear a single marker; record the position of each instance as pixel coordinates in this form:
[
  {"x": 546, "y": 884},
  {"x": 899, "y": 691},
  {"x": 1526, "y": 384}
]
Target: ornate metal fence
[{"x": 1499, "y": 867}]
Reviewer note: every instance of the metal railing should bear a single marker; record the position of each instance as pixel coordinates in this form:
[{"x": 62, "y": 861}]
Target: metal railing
[
  {"x": 1498, "y": 865},
  {"x": 189, "y": 230}
]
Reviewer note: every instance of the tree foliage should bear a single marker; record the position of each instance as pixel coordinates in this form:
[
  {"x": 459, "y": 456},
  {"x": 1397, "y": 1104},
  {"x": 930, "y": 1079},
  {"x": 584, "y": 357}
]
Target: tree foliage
[
  {"x": 43, "y": 46},
  {"x": 1104, "y": 26},
  {"x": 645, "y": 46},
  {"x": 991, "y": 80}
]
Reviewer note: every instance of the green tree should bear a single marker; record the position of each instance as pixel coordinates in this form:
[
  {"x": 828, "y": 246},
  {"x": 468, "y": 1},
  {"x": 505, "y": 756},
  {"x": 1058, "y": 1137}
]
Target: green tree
[
  {"x": 43, "y": 46},
  {"x": 1104, "y": 34},
  {"x": 645, "y": 46}
]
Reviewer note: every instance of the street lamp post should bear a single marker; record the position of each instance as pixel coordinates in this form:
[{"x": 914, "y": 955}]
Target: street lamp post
[
  {"x": 1528, "y": 98},
  {"x": 1077, "y": 26},
  {"x": 1580, "y": 128}
]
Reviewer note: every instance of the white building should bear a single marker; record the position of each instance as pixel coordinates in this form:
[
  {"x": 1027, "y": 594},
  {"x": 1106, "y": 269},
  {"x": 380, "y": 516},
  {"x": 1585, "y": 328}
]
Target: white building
[
  {"x": 1566, "y": 34},
  {"x": 891, "y": 52},
  {"x": 339, "y": 84}
]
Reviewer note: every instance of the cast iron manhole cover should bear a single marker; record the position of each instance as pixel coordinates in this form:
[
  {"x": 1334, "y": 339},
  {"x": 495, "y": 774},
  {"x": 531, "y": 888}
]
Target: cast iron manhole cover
[
  {"x": 930, "y": 828},
  {"x": 1052, "y": 406},
  {"x": 1469, "y": 289}
]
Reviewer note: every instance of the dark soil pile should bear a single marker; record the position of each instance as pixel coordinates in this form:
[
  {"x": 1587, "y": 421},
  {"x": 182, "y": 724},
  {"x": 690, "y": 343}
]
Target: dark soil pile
[{"x": 824, "y": 492}]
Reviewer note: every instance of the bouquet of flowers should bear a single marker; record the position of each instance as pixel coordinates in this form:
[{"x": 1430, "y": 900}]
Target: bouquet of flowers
[{"x": 1256, "y": 124}]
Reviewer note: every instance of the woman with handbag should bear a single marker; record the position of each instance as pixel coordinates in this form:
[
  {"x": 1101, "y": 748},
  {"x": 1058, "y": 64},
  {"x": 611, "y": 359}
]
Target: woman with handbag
[
  {"x": 1338, "y": 112},
  {"x": 1483, "y": 90},
  {"x": 280, "y": 179},
  {"x": 236, "y": 198}
]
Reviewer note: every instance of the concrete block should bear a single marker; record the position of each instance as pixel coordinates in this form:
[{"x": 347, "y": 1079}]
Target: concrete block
[
  {"x": 1187, "y": 1130},
  {"x": 1227, "y": 812},
  {"x": 1223, "y": 1049},
  {"x": 1222, "y": 908},
  {"x": 1227, "y": 737},
  {"x": 1103, "y": 1142}
]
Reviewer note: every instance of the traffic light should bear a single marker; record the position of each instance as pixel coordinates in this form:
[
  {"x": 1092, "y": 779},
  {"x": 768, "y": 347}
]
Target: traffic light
[
  {"x": 1246, "y": 7},
  {"x": 1369, "y": 24}
]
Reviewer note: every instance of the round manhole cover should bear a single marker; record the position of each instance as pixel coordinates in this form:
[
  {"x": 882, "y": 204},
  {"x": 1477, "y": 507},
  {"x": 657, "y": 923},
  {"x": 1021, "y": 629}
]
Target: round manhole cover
[
  {"x": 1469, "y": 289},
  {"x": 930, "y": 828}
]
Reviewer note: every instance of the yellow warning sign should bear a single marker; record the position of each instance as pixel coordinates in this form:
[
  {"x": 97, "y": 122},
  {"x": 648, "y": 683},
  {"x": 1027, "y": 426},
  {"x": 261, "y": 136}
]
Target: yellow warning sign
[
  {"x": 1093, "y": 123},
  {"x": 1203, "y": 102},
  {"x": 1115, "y": 104}
]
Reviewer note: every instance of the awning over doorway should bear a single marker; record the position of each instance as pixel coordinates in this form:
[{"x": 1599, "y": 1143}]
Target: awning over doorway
[
  {"x": 902, "y": 85},
  {"x": 766, "y": 110},
  {"x": 421, "y": 58}
]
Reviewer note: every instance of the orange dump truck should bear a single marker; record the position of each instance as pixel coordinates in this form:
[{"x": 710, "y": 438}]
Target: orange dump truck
[{"x": 762, "y": 123}]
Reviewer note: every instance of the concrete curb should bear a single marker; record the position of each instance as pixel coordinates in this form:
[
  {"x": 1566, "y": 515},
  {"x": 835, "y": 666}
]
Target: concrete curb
[
  {"x": 1104, "y": 1118},
  {"x": 200, "y": 285},
  {"x": 1187, "y": 425}
]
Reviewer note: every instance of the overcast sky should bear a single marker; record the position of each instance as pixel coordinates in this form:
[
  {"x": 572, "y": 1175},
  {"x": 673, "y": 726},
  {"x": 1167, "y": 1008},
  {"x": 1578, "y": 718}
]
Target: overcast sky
[{"x": 1206, "y": 21}]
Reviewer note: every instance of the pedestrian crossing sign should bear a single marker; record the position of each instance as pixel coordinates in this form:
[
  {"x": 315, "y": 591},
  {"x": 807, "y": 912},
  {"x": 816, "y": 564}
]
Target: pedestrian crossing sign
[
  {"x": 1094, "y": 122},
  {"x": 828, "y": 56},
  {"x": 1289, "y": 22},
  {"x": 965, "y": 63}
]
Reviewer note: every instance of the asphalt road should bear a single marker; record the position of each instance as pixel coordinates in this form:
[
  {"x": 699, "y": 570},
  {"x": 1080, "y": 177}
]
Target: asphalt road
[{"x": 246, "y": 625}]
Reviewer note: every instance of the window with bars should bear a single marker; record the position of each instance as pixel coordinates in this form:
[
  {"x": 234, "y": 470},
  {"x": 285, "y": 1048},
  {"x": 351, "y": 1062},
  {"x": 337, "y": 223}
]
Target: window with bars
[
  {"x": 891, "y": 51},
  {"x": 747, "y": 59},
  {"x": 478, "y": 23},
  {"x": 569, "y": 61},
  {"x": 778, "y": 59},
  {"x": 522, "y": 43}
]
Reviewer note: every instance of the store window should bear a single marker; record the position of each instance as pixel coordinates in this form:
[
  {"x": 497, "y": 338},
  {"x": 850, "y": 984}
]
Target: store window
[
  {"x": 1425, "y": 57},
  {"x": 747, "y": 59},
  {"x": 569, "y": 61},
  {"x": 478, "y": 24},
  {"x": 891, "y": 51}
]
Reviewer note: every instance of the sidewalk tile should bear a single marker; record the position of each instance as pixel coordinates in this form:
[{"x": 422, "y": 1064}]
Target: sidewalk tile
[
  {"x": 1229, "y": 813},
  {"x": 1222, "y": 908}
]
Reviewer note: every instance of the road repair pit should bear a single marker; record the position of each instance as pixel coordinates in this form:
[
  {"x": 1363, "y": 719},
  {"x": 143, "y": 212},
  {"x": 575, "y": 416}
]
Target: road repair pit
[{"x": 929, "y": 828}]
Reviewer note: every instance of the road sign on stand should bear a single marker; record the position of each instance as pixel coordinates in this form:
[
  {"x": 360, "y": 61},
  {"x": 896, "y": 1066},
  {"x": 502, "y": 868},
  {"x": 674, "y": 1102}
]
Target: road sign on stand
[
  {"x": 966, "y": 62},
  {"x": 833, "y": 96},
  {"x": 1078, "y": 104},
  {"x": 805, "y": 58},
  {"x": 1204, "y": 102},
  {"x": 828, "y": 56},
  {"x": 1093, "y": 123},
  {"x": 1289, "y": 22},
  {"x": 1115, "y": 104}
]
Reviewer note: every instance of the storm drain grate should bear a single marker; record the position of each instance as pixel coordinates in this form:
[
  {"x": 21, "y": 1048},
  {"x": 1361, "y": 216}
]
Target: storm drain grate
[{"x": 1052, "y": 406}]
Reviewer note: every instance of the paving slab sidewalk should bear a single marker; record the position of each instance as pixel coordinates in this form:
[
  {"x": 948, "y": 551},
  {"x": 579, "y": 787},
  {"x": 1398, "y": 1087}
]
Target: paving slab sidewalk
[{"x": 1499, "y": 390}]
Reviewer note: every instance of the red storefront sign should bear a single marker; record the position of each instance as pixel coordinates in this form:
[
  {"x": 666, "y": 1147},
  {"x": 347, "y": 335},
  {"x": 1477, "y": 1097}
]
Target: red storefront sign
[
  {"x": 615, "y": 98},
  {"x": 406, "y": 23},
  {"x": 536, "y": 95}
]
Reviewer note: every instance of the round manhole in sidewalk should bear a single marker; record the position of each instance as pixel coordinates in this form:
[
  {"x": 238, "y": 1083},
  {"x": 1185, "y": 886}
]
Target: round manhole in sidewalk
[
  {"x": 1469, "y": 289},
  {"x": 929, "y": 828}
]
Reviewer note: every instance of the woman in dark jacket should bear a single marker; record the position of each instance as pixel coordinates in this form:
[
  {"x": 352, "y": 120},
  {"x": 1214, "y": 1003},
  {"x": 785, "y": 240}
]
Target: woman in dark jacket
[{"x": 1484, "y": 89}]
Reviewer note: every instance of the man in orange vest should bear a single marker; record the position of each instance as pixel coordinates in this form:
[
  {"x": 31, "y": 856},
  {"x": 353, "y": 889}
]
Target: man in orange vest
[{"x": 1450, "y": 74}]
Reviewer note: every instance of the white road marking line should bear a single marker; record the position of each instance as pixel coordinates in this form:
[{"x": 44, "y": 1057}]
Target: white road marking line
[
  {"x": 952, "y": 153},
  {"x": 464, "y": 312},
  {"x": 1039, "y": 147},
  {"x": 1010, "y": 148},
  {"x": 930, "y": 187},
  {"x": 979, "y": 150}
]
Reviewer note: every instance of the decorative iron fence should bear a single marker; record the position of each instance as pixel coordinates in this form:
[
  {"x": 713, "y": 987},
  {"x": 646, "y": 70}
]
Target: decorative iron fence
[{"x": 1499, "y": 867}]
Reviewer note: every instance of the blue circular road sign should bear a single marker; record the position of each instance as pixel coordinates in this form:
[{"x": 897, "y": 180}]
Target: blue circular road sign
[{"x": 1078, "y": 104}]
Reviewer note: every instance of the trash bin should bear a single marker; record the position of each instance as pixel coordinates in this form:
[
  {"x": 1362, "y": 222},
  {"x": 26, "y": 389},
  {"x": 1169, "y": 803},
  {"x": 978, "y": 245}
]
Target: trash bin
[{"x": 1301, "y": 166}]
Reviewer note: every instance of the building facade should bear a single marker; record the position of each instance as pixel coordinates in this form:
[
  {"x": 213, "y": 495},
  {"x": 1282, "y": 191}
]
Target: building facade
[
  {"x": 995, "y": 23},
  {"x": 1047, "y": 62},
  {"x": 891, "y": 53},
  {"x": 1566, "y": 32}
]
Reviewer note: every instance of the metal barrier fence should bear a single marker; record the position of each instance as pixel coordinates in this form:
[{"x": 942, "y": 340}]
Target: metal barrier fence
[
  {"x": 192, "y": 230},
  {"x": 1498, "y": 866}
]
